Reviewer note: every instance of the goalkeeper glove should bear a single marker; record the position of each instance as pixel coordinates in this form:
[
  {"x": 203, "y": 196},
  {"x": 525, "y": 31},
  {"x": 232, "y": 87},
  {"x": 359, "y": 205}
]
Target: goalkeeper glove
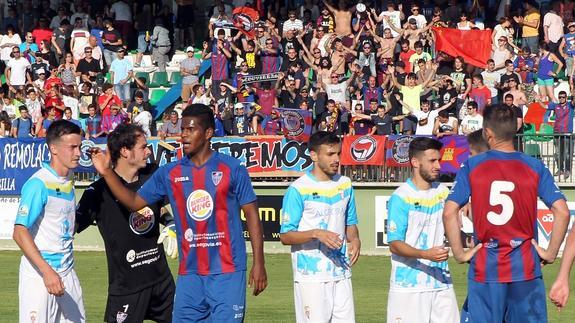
[{"x": 168, "y": 238}]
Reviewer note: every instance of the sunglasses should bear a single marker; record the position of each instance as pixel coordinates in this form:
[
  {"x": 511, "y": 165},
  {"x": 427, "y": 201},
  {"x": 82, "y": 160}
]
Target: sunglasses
[
  {"x": 415, "y": 9},
  {"x": 17, "y": 52},
  {"x": 562, "y": 97},
  {"x": 502, "y": 40}
]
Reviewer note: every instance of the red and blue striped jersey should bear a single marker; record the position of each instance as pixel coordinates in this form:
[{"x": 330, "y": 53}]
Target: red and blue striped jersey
[
  {"x": 206, "y": 203},
  {"x": 504, "y": 188},
  {"x": 219, "y": 62}
]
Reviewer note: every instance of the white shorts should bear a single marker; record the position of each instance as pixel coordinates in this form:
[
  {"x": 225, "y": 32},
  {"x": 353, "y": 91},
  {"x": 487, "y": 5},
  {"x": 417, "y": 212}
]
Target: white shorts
[
  {"x": 321, "y": 302},
  {"x": 38, "y": 306},
  {"x": 433, "y": 306}
]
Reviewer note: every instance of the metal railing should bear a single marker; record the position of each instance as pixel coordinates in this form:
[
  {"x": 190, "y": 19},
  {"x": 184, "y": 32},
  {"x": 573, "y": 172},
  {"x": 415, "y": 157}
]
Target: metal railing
[{"x": 554, "y": 150}]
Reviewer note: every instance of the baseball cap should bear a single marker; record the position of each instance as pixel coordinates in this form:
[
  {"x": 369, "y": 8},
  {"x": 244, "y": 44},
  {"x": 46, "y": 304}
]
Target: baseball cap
[
  {"x": 412, "y": 21},
  {"x": 571, "y": 24},
  {"x": 189, "y": 49}
]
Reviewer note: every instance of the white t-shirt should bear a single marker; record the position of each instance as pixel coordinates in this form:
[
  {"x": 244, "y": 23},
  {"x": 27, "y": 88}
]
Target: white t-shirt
[
  {"x": 121, "y": 11},
  {"x": 336, "y": 92},
  {"x": 427, "y": 129},
  {"x": 144, "y": 119},
  {"x": 6, "y": 51},
  {"x": 555, "y": 25},
  {"x": 18, "y": 69},
  {"x": 489, "y": 79},
  {"x": 421, "y": 21},
  {"x": 80, "y": 37},
  {"x": 394, "y": 18},
  {"x": 471, "y": 123}
]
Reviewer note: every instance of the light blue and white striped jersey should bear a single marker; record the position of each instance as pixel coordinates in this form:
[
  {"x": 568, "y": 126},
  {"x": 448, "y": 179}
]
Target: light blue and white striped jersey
[
  {"x": 48, "y": 209},
  {"x": 329, "y": 205},
  {"x": 415, "y": 217}
]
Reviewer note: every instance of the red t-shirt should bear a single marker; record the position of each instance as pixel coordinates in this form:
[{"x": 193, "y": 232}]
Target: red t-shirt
[
  {"x": 52, "y": 101},
  {"x": 266, "y": 100},
  {"x": 106, "y": 110},
  {"x": 404, "y": 57},
  {"x": 481, "y": 96},
  {"x": 52, "y": 81}
]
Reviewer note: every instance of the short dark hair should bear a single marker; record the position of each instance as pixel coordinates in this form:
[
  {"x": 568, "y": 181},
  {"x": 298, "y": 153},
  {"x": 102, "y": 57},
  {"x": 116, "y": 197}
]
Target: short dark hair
[
  {"x": 203, "y": 113},
  {"x": 67, "y": 109},
  {"x": 22, "y": 108},
  {"x": 106, "y": 87},
  {"x": 139, "y": 94},
  {"x": 472, "y": 104},
  {"x": 478, "y": 77},
  {"x": 501, "y": 120},
  {"x": 476, "y": 141},
  {"x": 420, "y": 144},
  {"x": 61, "y": 128},
  {"x": 123, "y": 136},
  {"x": 322, "y": 138}
]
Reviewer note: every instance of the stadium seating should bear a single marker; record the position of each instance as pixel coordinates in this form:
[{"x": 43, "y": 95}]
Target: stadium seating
[
  {"x": 145, "y": 75},
  {"x": 159, "y": 79},
  {"x": 175, "y": 78}
]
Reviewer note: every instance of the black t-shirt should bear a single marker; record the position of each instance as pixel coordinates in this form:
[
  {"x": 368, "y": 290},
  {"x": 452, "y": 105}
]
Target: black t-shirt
[
  {"x": 445, "y": 96},
  {"x": 506, "y": 77},
  {"x": 39, "y": 67},
  {"x": 92, "y": 66},
  {"x": 383, "y": 124},
  {"x": 286, "y": 63},
  {"x": 519, "y": 114},
  {"x": 287, "y": 100},
  {"x": 290, "y": 43},
  {"x": 135, "y": 260},
  {"x": 112, "y": 36}
]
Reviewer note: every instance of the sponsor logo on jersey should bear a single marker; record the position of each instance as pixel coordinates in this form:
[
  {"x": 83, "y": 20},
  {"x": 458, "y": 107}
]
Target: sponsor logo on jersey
[
  {"x": 392, "y": 227},
  {"x": 514, "y": 243},
  {"x": 33, "y": 316},
  {"x": 143, "y": 221},
  {"x": 200, "y": 205},
  {"x": 189, "y": 235},
  {"x": 121, "y": 317},
  {"x": 492, "y": 244},
  {"x": 131, "y": 256},
  {"x": 181, "y": 179},
  {"x": 363, "y": 148},
  {"x": 23, "y": 210},
  {"x": 217, "y": 177}
]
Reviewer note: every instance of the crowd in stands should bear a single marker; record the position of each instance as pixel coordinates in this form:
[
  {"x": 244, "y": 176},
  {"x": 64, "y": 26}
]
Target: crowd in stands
[{"x": 361, "y": 68}]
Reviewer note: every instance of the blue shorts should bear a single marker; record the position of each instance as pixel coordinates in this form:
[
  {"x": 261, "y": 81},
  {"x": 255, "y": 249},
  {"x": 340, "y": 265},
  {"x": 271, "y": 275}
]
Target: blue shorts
[
  {"x": 214, "y": 298},
  {"x": 518, "y": 302}
]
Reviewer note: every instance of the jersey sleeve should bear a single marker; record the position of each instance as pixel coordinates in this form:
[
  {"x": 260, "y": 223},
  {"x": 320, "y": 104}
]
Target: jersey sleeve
[
  {"x": 88, "y": 208},
  {"x": 351, "y": 213},
  {"x": 154, "y": 189},
  {"x": 243, "y": 186},
  {"x": 33, "y": 198},
  {"x": 547, "y": 190},
  {"x": 461, "y": 189},
  {"x": 397, "y": 211},
  {"x": 292, "y": 210}
]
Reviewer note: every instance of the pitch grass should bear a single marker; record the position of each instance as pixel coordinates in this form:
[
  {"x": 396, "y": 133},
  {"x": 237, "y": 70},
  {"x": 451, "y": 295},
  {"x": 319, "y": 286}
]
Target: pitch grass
[{"x": 370, "y": 283}]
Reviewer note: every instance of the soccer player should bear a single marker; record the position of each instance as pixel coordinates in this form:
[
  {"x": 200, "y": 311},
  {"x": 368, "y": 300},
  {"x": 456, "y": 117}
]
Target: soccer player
[
  {"x": 420, "y": 289},
  {"x": 504, "y": 281},
  {"x": 49, "y": 290},
  {"x": 140, "y": 284},
  {"x": 206, "y": 191},
  {"x": 319, "y": 216}
]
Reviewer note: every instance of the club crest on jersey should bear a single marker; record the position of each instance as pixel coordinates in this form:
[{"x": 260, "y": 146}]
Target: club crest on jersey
[
  {"x": 143, "y": 221},
  {"x": 200, "y": 205},
  {"x": 121, "y": 317},
  {"x": 33, "y": 316},
  {"x": 217, "y": 177},
  {"x": 23, "y": 210}
]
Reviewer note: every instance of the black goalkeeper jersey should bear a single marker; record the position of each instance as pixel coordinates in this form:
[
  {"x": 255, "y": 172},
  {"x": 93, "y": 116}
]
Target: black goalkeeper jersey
[{"x": 135, "y": 260}]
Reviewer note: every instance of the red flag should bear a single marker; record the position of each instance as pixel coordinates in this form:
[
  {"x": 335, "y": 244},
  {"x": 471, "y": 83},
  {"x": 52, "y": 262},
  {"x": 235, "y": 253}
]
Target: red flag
[
  {"x": 397, "y": 150},
  {"x": 363, "y": 150},
  {"x": 473, "y": 45},
  {"x": 296, "y": 124},
  {"x": 245, "y": 19}
]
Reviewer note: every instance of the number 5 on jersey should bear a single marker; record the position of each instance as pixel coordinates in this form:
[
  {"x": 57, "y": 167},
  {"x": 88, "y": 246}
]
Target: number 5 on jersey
[{"x": 498, "y": 195}]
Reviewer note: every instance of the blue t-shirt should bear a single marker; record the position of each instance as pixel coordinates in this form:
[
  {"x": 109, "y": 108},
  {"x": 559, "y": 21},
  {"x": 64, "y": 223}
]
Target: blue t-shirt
[{"x": 24, "y": 127}]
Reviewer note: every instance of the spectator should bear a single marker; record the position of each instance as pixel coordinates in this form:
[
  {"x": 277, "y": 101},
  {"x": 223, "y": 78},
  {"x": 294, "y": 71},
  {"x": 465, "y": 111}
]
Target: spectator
[
  {"x": 122, "y": 14},
  {"x": 189, "y": 69},
  {"x": 567, "y": 48},
  {"x": 68, "y": 116},
  {"x": 563, "y": 129},
  {"x": 139, "y": 113},
  {"x": 93, "y": 123},
  {"x": 241, "y": 120},
  {"x": 112, "y": 41},
  {"x": 463, "y": 23},
  {"x": 16, "y": 72},
  {"x": 530, "y": 26},
  {"x": 519, "y": 98},
  {"x": 97, "y": 51},
  {"x": 68, "y": 70},
  {"x": 553, "y": 29},
  {"x": 60, "y": 38},
  {"x": 22, "y": 127},
  {"x": 160, "y": 45},
  {"x": 107, "y": 99},
  {"x": 445, "y": 125},
  {"x": 34, "y": 105},
  {"x": 382, "y": 121},
  {"x": 405, "y": 55},
  {"x": 5, "y": 124},
  {"x": 390, "y": 18},
  {"x": 39, "y": 66},
  {"x": 53, "y": 98},
  {"x": 79, "y": 39},
  {"x": 49, "y": 117},
  {"x": 28, "y": 48},
  {"x": 121, "y": 72},
  {"x": 114, "y": 119},
  {"x": 41, "y": 32},
  {"x": 480, "y": 94},
  {"x": 491, "y": 79},
  {"x": 500, "y": 53},
  {"x": 47, "y": 53},
  {"x": 86, "y": 98},
  {"x": 269, "y": 56},
  {"x": 418, "y": 55},
  {"x": 172, "y": 127},
  {"x": 88, "y": 67},
  {"x": 292, "y": 24},
  {"x": 57, "y": 20},
  {"x": 144, "y": 23},
  {"x": 472, "y": 121},
  {"x": 546, "y": 72},
  {"x": 7, "y": 42}
]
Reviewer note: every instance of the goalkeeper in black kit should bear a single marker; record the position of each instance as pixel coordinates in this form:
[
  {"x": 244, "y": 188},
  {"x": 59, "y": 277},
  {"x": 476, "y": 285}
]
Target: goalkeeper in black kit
[{"x": 141, "y": 286}]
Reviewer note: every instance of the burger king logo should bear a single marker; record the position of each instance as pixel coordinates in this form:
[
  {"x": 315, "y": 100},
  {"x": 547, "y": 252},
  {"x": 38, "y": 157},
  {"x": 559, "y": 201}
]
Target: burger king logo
[
  {"x": 142, "y": 222},
  {"x": 200, "y": 205}
]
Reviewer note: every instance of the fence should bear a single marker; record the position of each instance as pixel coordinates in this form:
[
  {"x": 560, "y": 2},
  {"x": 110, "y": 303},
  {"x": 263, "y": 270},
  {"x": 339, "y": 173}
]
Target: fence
[{"x": 554, "y": 150}]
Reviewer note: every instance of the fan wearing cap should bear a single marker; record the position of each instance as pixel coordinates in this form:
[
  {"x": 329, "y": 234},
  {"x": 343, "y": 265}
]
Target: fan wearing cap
[
  {"x": 189, "y": 68},
  {"x": 16, "y": 76},
  {"x": 412, "y": 31},
  {"x": 417, "y": 16},
  {"x": 241, "y": 119}
]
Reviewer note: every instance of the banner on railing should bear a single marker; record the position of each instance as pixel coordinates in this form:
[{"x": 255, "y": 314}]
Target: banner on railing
[
  {"x": 265, "y": 156},
  {"x": 363, "y": 150},
  {"x": 397, "y": 150},
  {"x": 454, "y": 152},
  {"x": 296, "y": 124}
]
